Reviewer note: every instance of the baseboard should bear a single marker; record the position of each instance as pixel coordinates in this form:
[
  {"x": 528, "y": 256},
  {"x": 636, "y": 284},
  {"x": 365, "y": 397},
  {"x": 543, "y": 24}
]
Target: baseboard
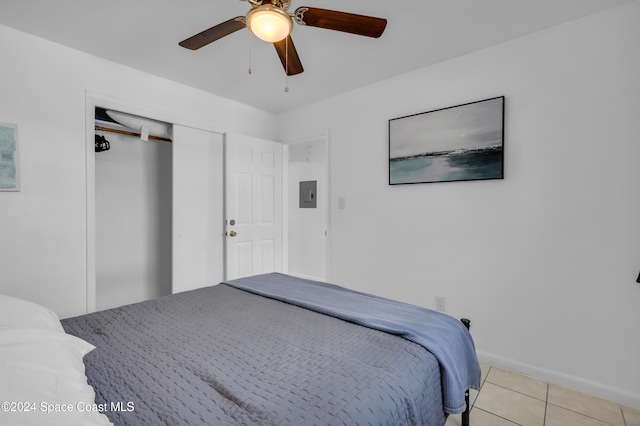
[{"x": 562, "y": 379}]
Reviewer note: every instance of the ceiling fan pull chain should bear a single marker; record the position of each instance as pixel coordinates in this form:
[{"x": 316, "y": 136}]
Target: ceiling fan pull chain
[
  {"x": 286, "y": 67},
  {"x": 250, "y": 54}
]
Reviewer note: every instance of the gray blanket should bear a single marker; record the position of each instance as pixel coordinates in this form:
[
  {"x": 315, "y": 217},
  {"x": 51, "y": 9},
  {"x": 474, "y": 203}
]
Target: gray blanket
[
  {"x": 442, "y": 335},
  {"x": 223, "y": 356}
]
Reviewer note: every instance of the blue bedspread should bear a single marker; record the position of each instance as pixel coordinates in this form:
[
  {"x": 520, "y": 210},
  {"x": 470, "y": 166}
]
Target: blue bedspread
[{"x": 442, "y": 335}]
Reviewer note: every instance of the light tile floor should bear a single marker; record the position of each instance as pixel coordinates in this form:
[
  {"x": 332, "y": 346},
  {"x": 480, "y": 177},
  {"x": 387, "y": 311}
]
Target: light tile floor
[{"x": 507, "y": 398}]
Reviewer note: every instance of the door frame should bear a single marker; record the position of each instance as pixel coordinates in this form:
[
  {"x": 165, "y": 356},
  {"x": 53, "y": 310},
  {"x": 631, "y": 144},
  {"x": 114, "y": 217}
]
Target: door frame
[
  {"x": 315, "y": 135},
  {"x": 93, "y": 100}
]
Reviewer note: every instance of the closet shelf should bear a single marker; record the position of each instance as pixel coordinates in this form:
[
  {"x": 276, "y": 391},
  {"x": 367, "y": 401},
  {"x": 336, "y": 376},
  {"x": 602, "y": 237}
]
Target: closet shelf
[{"x": 126, "y": 132}]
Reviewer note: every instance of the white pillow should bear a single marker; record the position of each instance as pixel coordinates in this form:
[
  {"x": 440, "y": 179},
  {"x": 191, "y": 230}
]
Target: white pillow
[
  {"x": 18, "y": 313},
  {"x": 43, "y": 380}
]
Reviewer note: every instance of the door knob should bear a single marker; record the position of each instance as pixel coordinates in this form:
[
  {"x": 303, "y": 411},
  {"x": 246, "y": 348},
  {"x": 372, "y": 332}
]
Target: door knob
[{"x": 233, "y": 233}]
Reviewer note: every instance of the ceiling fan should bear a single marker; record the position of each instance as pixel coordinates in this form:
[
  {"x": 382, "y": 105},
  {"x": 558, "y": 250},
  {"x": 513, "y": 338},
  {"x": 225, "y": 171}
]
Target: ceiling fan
[{"x": 271, "y": 21}]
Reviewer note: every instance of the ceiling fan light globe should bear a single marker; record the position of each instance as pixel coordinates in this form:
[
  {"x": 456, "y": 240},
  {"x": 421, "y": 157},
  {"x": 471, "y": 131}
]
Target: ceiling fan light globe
[{"x": 269, "y": 23}]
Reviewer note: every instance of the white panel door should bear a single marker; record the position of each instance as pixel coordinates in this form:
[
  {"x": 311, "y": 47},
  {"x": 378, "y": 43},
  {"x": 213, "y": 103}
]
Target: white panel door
[
  {"x": 198, "y": 212},
  {"x": 253, "y": 206}
]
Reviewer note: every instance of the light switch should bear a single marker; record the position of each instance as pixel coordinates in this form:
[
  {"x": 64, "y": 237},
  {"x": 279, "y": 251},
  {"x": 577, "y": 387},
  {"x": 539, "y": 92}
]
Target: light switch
[{"x": 341, "y": 202}]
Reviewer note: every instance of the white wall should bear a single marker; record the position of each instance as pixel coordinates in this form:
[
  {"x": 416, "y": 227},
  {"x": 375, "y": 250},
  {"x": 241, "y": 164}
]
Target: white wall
[
  {"x": 133, "y": 220},
  {"x": 43, "y": 87},
  {"x": 544, "y": 262}
]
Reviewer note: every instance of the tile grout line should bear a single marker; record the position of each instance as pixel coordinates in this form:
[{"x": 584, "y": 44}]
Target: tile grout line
[
  {"x": 518, "y": 392},
  {"x": 546, "y": 404},
  {"x": 589, "y": 416},
  {"x": 500, "y": 417}
]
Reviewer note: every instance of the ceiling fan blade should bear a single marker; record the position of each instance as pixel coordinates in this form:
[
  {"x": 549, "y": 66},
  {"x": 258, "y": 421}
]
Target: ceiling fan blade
[
  {"x": 214, "y": 33},
  {"x": 342, "y": 21},
  {"x": 284, "y": 47}
]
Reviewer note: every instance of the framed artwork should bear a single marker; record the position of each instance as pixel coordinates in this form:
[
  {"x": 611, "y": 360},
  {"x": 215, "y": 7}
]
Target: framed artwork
[
  {"x": 9, "y": 173},
  {"x": 458, "y": 143}
]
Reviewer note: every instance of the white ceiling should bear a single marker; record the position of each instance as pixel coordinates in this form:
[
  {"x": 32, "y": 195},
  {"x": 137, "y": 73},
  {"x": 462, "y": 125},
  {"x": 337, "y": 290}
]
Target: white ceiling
[{"x": 144, "y": 34}]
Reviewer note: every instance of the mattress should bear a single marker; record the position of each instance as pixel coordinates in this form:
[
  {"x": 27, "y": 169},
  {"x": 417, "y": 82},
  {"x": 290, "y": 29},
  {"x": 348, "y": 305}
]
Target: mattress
[{"x": 223, "y": 356}]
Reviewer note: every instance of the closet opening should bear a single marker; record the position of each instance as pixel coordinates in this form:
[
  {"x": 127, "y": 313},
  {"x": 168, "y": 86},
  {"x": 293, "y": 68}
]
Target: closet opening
[{"x": 133, "y": 208}]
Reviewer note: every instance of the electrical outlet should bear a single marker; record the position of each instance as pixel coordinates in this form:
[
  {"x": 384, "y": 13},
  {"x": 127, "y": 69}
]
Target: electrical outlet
[{"x": 441, "y": 304}]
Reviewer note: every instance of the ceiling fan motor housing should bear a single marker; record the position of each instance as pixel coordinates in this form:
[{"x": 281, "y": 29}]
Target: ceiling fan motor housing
[{"x": 269, "y": 23}]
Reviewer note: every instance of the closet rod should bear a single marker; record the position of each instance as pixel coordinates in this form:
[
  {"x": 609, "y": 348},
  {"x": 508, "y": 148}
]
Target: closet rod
[{"x": 125, "y": 132}]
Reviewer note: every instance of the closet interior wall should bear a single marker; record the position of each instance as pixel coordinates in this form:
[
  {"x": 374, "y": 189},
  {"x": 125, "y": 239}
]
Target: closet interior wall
[{"x": 133, "y": 220}]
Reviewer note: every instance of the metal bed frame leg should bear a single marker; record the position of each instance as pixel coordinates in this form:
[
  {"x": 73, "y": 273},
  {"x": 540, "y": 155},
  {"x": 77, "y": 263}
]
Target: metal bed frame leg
[{"x": 465, "y": 413}]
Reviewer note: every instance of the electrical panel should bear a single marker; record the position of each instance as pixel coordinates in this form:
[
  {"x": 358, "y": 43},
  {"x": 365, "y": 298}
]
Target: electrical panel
[{"x": 308, "y": 194}]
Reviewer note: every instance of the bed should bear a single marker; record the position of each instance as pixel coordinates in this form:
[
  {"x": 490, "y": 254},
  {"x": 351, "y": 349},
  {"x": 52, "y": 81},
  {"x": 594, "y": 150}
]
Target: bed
[{"x": 271, "y": 350}]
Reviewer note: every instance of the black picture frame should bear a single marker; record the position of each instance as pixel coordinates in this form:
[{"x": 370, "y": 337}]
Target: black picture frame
[{"x": 459, "y": 143}]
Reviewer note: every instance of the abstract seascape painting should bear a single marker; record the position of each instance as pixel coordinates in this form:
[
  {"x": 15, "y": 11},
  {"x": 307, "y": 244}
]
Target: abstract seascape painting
[{"x": 459, "y": 143}]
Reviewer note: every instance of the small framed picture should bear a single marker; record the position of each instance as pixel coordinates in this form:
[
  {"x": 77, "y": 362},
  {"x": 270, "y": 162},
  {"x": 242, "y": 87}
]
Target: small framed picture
[{"x": 9, "y": 171}]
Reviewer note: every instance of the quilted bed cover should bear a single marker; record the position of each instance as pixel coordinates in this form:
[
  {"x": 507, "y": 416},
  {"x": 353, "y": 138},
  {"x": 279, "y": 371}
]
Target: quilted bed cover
[
  {"x": 224, "y": 356},
  {"x": 444, "y": 336}
]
